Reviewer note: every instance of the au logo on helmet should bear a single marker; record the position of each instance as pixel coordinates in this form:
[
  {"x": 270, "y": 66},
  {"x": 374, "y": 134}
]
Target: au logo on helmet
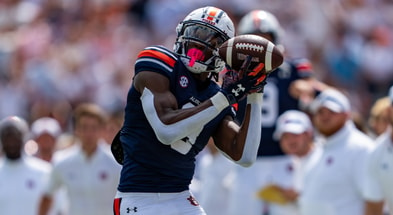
[{"x": 212, "y": 15}]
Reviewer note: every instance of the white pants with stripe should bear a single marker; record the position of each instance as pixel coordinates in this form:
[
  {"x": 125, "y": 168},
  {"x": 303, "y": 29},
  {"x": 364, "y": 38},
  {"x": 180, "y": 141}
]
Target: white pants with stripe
[{"x": 182, "y": 203}]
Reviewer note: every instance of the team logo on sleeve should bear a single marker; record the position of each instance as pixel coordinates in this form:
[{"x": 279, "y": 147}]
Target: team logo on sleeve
[
  {"x": 329, "y": 161},
  {"x": 183, "y": 81}
]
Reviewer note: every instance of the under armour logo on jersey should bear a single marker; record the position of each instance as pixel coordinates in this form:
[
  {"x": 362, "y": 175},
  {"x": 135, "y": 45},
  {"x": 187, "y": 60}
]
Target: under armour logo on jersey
[
  {"x": 133, "y": 209},
  {"x": 239, "y": 89}
]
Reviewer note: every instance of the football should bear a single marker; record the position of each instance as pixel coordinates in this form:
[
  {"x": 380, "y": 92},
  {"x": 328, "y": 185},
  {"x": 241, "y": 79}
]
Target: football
[{"x": 235, "y": 50}]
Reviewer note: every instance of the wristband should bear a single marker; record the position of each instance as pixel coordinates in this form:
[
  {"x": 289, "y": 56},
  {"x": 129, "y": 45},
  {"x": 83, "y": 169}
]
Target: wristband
[
  {"x": 220, "y": 101},
  {"x": 254, "y": 98}
]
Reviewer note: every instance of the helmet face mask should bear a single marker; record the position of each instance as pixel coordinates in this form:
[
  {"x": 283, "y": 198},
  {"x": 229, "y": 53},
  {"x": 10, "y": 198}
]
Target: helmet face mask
[{"x": 204, "y": 29}]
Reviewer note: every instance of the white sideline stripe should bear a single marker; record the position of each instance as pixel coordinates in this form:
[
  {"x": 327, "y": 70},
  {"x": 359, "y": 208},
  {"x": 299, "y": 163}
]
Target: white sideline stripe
[
  {"x": 229, "y": 52},
  {"x": 268, "y": 56}
]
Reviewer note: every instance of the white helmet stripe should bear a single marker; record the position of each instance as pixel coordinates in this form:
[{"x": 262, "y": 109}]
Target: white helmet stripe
[{"x": 268, "y": 56}]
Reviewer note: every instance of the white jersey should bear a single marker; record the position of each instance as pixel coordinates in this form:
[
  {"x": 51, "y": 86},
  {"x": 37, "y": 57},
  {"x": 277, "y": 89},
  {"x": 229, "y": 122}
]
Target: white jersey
[
  {"x": 379, "y": 185},
  {"x": 335, "y": 186},
  {"x": 303, "y": 165},
  {"x": 265, "y": 171},
  {"x": 90, "y": 183},
  {"x": 22, "y": 184},
  {"x": 214, "y": 178}
]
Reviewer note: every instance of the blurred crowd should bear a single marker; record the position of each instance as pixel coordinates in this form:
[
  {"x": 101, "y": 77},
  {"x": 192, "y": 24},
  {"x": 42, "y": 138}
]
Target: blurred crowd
[{"x": 56, "y": 54}]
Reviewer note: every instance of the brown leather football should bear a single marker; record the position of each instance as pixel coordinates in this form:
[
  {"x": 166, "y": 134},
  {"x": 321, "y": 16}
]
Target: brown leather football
[{"x": 235, "y": 50}]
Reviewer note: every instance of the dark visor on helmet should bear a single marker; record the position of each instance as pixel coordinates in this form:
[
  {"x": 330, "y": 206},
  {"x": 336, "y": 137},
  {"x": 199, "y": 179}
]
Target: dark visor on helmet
[{"x": 203, "y": 34}]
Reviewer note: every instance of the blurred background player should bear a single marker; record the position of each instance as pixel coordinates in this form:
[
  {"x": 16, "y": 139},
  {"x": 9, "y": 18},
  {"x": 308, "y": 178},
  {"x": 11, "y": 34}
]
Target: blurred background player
[
  {"x": 87, "y": 170},
  {"x": 45, "y": 132},
  {"x": 174, "y": 108},
  {"x": 272, "y": 165},
  {"x": 22, "y": 178},
  {"x": 335, "y": 185},
  {"x": 379, "y": 187}
]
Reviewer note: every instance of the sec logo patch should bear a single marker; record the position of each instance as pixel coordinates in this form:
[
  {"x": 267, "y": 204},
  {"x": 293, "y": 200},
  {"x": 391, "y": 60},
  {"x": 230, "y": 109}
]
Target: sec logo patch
[{"x": 183, "y": 81}]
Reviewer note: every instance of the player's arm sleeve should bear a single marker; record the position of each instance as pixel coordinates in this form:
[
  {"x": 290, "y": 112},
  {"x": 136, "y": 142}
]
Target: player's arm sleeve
[
  {"x": 253, "y": 138},
  {"x": 170, "y": 133}
]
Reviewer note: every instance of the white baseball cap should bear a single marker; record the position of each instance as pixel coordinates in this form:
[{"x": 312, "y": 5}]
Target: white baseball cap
[
  {"x": 292, "y": 121},
  {"x": 46, "y": 125},
  {"x": 332, "y": 99}
]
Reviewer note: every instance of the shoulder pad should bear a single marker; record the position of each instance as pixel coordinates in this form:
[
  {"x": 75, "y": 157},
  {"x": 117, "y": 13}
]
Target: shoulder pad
[
  {"x": 158, "y": 53},
  {"x": 156, "y": 59}
]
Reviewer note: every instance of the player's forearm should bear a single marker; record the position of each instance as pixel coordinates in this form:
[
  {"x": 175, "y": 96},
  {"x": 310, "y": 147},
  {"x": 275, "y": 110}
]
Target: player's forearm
[
  {"x": 45, "y": 205},
  {"x": 172, "y": 116},
  {"x": 374, "y": 208},
  {"x": 251, "y": 130},
  {"x": 170, "y": 133}
]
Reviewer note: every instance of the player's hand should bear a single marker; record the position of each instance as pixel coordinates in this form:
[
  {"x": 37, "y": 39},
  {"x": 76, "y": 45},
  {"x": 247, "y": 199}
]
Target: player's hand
[
  {"x": 260, "y": 85},
  {"x": 237, "y": 84}
]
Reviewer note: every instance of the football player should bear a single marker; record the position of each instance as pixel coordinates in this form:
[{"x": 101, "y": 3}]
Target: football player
[
  {"x": 173, "y": 108},
  {"x": 283, "y": 92}
]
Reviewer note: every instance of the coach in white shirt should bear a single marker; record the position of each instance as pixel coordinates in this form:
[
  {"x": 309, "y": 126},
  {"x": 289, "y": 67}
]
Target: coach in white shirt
[
  {"x": 87, "y": 170},
  {"x": 379, "y": 186},
  {"x": 335, "y": 186},
  {"x": 22, "y": 177},
  {"x": 296, "y": 134}
]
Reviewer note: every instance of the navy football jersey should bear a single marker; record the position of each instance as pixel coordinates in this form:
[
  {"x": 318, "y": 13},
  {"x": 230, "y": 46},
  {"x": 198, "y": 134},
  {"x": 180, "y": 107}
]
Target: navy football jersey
[
  {"x": 149, "y": 165},
  {"x": 277, "y": 100}
]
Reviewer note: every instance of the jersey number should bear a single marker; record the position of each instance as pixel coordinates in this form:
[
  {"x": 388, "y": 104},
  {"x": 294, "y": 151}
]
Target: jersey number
[
  {"x": 184, "y": 145},
  {"x": 270, "y": 105}
]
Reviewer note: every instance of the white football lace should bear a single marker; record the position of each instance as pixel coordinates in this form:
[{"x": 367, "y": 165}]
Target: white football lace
[{"x": 249, "y": 46}]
